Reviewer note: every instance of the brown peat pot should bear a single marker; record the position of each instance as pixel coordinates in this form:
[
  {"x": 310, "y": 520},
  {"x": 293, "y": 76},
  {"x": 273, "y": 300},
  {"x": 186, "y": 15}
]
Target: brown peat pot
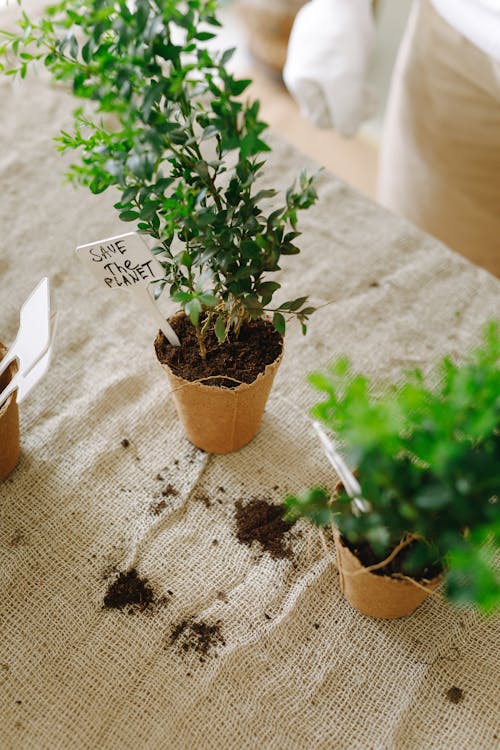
[
  {"x": 378, "y": 595},
  {"x": 218, "y": 419},
  {"x": 9, "y": 423}
]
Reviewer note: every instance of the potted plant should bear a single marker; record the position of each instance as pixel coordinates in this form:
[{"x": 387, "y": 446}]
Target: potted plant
[
  {"x": 168, "y": 129},
  {"x": 427, "y": 459}
]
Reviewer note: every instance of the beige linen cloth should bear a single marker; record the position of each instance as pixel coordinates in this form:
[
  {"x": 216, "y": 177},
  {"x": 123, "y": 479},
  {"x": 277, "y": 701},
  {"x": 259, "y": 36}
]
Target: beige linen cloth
[
  {"x": 440, "y": 160},
  {"x": 299, "y": 668}
]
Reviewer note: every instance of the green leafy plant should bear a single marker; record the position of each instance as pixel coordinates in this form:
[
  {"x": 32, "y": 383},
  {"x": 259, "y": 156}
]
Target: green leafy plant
[
  {"x": 428, "y": 462},
  {"x": 169, "y": 130}
]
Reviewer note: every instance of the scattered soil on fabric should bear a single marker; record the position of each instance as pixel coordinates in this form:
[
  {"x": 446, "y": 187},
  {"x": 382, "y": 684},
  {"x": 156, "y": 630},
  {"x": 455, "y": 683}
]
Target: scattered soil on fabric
[
  {"x": 259, "y": 521},
  {"x": 258, "y": 345},
  {"x": 129, "y": 592},
  {"x": 198, "y": 637},
  {"x": 455, "y": 695},
  {"x": 157, "y": 508},
  {"x": 202, "y": 497},
  {"x": 366, "y": 555},
  {"x": 169, "y": 491}
]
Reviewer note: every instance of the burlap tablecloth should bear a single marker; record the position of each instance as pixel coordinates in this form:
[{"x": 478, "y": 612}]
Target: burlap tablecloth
[{"x": 298, "y": 668}]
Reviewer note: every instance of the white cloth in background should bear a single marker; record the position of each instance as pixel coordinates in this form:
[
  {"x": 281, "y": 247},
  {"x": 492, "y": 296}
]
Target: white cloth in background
[
  {"x": 328, "y": 56},
  {"x": 477, "y": 20},
  {"x": 440, "y": 154},
  {"x": 330, "y": 48}
]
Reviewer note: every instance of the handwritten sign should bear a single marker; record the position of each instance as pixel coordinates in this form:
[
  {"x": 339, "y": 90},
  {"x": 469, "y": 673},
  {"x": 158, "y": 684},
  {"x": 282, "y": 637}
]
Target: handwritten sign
[
  {"x": 125, "y": 263},
  {"x": 120, "y": 262}
]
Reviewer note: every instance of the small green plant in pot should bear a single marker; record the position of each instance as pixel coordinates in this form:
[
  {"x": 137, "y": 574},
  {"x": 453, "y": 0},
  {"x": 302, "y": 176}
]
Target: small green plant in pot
[
  {"x": 427, "y": 459},
  {"x": 167, "y": 127}
]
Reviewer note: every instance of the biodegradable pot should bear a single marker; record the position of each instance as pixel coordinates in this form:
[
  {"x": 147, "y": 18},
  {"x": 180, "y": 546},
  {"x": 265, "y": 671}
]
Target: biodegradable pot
[
  {"x": 9, "y": 423},
  {"x": 377, "y": 595},
  {"x": 218, "y": 419}
]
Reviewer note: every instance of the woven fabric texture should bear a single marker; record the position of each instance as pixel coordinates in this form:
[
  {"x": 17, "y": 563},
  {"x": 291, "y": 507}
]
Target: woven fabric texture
[{"x": 298, "y": 668}]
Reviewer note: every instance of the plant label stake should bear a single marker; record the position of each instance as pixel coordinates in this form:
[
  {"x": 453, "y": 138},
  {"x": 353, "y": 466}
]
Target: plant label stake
[
  {"x": 33, "y": 336},
  {"x": 348, "y": 479},
  {"x": 24, "y": 382},
  {"x": 125, "y": 262}
]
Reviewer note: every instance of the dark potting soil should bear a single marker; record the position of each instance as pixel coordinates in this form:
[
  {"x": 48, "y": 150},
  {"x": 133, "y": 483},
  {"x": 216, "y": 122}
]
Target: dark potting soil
[
  {"x": 455, "y": 694},
  {"x": 243, "y": 359},
  {"x": 259, "y": 521},
  {"x": 157, "y": 508},
  {"x": 197, "y": 636},
  {"x": 367, "y": 556},
  {"x": 128, "y": 591},
  {"x": 169, "y": 491}
]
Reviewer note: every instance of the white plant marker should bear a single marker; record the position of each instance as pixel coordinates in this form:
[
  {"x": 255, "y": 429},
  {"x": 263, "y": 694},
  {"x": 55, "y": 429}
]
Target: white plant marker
[
  {"x": 23, "y": 382},
  {"x": 351, "y": 484},
  {"x": 125, "y": 262},
  {"x": 33, "y": 336}
]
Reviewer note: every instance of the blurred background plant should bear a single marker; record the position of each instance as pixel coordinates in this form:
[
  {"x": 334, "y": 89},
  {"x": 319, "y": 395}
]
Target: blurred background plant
[{"x": 428, "y": 462}]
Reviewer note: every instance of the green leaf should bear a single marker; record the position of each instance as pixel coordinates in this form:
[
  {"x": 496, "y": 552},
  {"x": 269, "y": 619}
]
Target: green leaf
[
  {"x": 220, "y": 329},
  {"x": 279, "y": 323},
  {"x": 236, "y": 88},
  {"x": 208, "y": 300},
  {"x": 129, "y": 215},
  {"x": 193, "y": 310},
  {"x": 182, "y": 297},
  {"x": 268, "y": 288},
  {"x": 320, "y": 381},
  {"x": 204, "y": 36},
  {"x": 297, "y": 303},
  {"x": 227, "y": 55}
]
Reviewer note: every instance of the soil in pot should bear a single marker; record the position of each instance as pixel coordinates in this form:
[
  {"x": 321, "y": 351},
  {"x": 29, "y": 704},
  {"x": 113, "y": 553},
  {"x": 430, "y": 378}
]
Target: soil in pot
[
  {"x": 221, "y": 400},
  {"x": 258, "y": 345},
  {"x": 396, "y": 566},
  {"x": 378, "y": 593}
]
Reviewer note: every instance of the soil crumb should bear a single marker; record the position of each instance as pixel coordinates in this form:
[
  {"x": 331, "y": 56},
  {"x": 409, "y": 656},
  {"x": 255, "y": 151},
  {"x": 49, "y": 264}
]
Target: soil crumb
[
  {"x": 455, "y": 695},
  {"x": 258, "y": 521},
  {"x": 202, "y": 497},
  {"x": 157, "y": 508},
  {"x": 197, "y": 636},
  {"x": 169, "y": 491},
  {"x": 130, "y": 592},
  {"x": 243, "y": 359}
]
